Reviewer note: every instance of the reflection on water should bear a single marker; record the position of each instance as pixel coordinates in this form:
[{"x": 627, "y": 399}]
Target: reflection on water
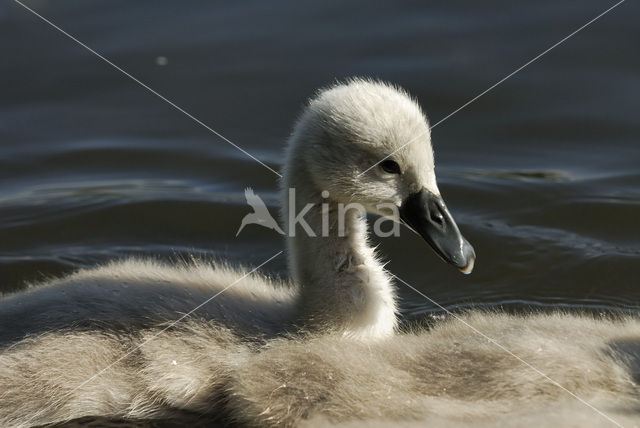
[{"x": 541, "y": 173}]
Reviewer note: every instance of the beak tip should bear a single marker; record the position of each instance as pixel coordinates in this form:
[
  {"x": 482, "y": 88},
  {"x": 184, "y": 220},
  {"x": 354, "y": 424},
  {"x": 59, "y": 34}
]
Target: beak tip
[
  {"x": 471, "y": 261},
  {"x": 468, "y": 268}
]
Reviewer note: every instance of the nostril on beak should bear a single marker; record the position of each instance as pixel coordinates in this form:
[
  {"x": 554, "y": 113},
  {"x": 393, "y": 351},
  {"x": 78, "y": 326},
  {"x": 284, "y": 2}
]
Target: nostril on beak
[
  {"x": 436, "y": 215},
  {"x": 437, "y": 218}
]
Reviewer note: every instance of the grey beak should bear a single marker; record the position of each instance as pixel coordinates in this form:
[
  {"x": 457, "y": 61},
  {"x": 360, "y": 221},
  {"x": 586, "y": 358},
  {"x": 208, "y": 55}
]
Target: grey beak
[{"x": 427, "y": 214}]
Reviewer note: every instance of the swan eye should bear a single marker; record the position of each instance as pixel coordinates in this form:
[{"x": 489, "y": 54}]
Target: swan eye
[{"x": 390, "y": 166}]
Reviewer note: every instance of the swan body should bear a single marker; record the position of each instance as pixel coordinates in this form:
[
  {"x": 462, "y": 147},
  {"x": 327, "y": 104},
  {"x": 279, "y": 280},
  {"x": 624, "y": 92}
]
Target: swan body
[
  {"x": 137, "y": 294},
  {"x": 446, "y": 376},
  {"x": 322, "y": 347},
  {"x": 450, "y": 375}
]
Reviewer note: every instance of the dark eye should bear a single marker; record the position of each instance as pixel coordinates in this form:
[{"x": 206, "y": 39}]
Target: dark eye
[{"x": 390, "y": 166}]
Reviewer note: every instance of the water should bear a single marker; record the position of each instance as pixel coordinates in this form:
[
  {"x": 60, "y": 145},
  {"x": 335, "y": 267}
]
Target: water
[{"x": 542, "y": 173}]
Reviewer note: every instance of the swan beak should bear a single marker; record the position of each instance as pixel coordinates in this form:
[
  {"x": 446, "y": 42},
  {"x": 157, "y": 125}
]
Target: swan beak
[{"x": 426, "y": 214}]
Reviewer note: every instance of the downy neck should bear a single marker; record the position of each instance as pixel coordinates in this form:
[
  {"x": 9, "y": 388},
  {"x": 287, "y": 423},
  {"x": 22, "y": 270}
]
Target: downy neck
[{"x": 343, "y": 287}]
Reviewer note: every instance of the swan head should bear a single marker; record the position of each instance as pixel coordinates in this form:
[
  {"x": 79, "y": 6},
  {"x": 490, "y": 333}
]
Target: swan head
[{"x": 369, "y": 143}]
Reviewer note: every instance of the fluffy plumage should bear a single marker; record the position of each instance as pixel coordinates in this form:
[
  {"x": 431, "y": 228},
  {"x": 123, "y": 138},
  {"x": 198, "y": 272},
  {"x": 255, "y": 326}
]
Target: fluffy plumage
[
  {"x": 319, "y": 349},
  {"x": 450, "y": 375},
  {"x": 447, "y": 376}
]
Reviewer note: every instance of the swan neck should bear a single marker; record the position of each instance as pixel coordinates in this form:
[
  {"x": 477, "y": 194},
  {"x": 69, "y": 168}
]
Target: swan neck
[{"x": 343, "y": 287}]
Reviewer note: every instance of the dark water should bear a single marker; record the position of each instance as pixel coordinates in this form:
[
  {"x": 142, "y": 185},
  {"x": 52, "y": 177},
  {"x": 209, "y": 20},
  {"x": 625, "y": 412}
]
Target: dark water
[{"x": 542, "y": 173}]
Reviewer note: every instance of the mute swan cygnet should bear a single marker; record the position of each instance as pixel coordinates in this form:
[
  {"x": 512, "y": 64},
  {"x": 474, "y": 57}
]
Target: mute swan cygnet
[{"x": 323, "y": 348}]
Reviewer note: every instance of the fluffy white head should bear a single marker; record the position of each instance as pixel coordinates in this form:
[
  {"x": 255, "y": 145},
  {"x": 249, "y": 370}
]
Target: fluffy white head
[{"x": 348, "y": 128}]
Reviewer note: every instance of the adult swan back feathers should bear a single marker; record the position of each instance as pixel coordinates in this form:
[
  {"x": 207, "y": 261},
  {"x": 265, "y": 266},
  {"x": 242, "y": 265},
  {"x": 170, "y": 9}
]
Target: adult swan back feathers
[{"x": 323, "y": 346}]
